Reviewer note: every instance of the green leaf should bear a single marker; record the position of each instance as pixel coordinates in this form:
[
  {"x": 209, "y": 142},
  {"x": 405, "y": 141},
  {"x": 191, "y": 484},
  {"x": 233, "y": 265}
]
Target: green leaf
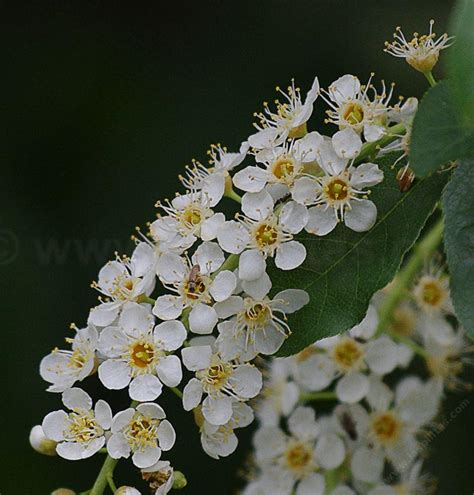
[
  {"x": 458, "y": 206},
  {"x": 438, "y": 135},
  {"x": 461, "y": 60},
  {"x": 344, "y": 269}
]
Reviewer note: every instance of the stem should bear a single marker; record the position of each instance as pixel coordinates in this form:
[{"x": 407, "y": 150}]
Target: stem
[
  {"x": 309, "y": 396},
  {"x": 110, "y": 480},
  {"x": 230, "y": 264},
  {"x": 403, "y": 280},
  {"x": 177, "y": 392},
  {"x": 105, "y": 474},
  {"x": 369, "y": 149},
  {"x": 145, "y": 299},
  {"x": 403, "y": 339},
  {"x": 233, "y": 195},
  {"x": 430, "y": 78}
]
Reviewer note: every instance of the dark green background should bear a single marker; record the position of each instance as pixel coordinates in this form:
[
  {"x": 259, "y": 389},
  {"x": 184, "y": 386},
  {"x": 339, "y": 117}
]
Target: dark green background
[{"x": 103, "y": 103}]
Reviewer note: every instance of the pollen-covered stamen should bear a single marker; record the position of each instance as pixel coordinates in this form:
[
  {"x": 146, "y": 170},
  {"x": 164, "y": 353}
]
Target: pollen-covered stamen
[
  {"x": 216, "y": 377},
  {"x": 266, "y": 235},
  {"x": 385, "y": 428},
  {"x": 285, "y": 169},
  {"x": 141, "y": 432},
  {"x": 353, "y": 113},
  {"x": 431, "y": 292},
  {"x": 196, "y": 286},
  {"x": 82, "y": 427},
  {"x": 299, "y": 458},
  {"x": 142, "y": 354},
  {"x": 348, "y": 354}
]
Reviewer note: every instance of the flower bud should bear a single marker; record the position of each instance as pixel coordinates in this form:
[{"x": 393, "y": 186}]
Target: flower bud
[
  {"x": 41, "y": 443},
  {"x": 179, "y": 480},
  {"x": 127, "y": 490},
  {"x": 63, "y": 491}
]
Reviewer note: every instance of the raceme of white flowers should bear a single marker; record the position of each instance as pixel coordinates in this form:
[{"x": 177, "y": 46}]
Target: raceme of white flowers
[{"x": 216, "y": 317}]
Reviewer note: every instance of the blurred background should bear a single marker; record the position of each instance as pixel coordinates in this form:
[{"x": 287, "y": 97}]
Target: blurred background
[{"x": 103, "y": 104}]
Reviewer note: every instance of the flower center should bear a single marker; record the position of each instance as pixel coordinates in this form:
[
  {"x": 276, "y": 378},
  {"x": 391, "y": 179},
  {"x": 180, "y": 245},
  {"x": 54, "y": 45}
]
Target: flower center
[
  {"x": 283, "y": 168},
  {"x": 337, "y": 189},
  {"x": 122, "y": 287},
  {"x": 266, "y": 235},
  {"x": 141, "y": 432},
  {"x": 347, "y": 354},
  {"x": 191, "y": 216},
  {"x": 258, "y": 312},
  {"x": 353, "y": 113},
  {"x": 196, "y": 286},
  {"x": 432, "y": 293},
  {"x": 403, "y": 321},
  {"x": 78, "y": 359},
  {"x": 299, "y": 456},
  {"x": 215, "y": 377},
  {"x": 386, "y": 427},
  {"x": 142, "y": 354},
  {"x": 83, "y": 427}
]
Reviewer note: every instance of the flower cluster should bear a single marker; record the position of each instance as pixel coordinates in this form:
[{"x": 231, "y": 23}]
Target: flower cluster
[
  {"x": 195, "y": 303},
  {"x": 372, "y": 441}
]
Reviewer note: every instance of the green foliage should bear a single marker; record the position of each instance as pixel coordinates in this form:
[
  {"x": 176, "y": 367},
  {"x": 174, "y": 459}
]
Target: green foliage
[
  {"x": 461, "y": 61},
  {"x": 439, "y": 135},
  {"x": 459, "y": 241},
  {"x": 344, "y": 269}
]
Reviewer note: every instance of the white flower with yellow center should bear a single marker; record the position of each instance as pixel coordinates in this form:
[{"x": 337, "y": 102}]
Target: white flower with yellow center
[
  {"x": 257, "y": 324},
  {"x": 221, "y": 381},
  {"x": 339, "y": 195},
  {"x": 289, "y": 119},
  {"x": 63, "y": 368},
  {"x": 137, "y": 353},
  {"x": 120, "y": 281},
  {"x": 143, "y": 432},
  {"x": 191, "y": 216},
  {"x": 160, "y": 477},
  {"x": 214, "y": 180},
  {"x": 280, "y": 166},
  {"x": 421, "y": 52},
  {"x": 301, "y": 453},
  {"x": 81, "y": 432},
  {"x": 221, "y": 441},
  {"x": 352, "y": 107},
  {"x": 431, "y": 292},
  {"x": 262, "y": 233},
  {"x": 196, "y": 287},
  {"x": 392, "y": 428}
]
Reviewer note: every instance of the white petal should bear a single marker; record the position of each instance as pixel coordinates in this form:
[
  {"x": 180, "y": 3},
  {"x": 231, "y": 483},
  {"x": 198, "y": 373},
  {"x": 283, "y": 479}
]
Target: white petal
[
  {"x": 112, "y": 342},
  {"x": 75, "y": 398},
  {"x": 311, "y": 485},
  {"x": 252, "y": 265},
  {"x": 321, "y": 220},
  {"x": 302, "y": 423},
  {"x": 213, "y": 188},
  {"x": 145, "y": 388},
  {"x": 362, "y": 215},
  {"x": 103, "y": 314},
  {"x": 251, "y": 179},
  {"x": 380, "y": 396},
  {"x": 210, "y": 227},
  {"x": 305, "y": 191},
  {"x": 171, "y": 268},
  {"x": 76, "y": 451},
  {"x": 197, "y": 357},
  {"x": 135, "y": 318},
  {"x": 168, "y": 307},
  {"x": 381, "y": 355},
  {"x": 367, "y": 327},
  {"x": 373, "y": 132},
  {"x": 347, "y": 86},
  {"x": 290, "y": 255},
  {"x": 233, "y": 237},
  {"x": 293, "y": 217},
  {"x": 115, "y": 375},
  {"x": 259, "y": 287},
  {"x": 202, "y": 319},
  {"x": 223, "y": 285},
  {"x": 269, "y": 443},
  {"x": 117, "y": 446},
  {"x": 306, "y": 148},
  {"x": 330, "y": 451},
  {"x": 209, "y": 257},
  {"x": 143, "y": 259},
  {"x": 170, "y": 335},
  {"x": 366, "y": 175},
  {"x": 367, "y": 465},
  {"x": 147, "y": 457},
  {"x": 169, "y": 370},
  {"x": 257, "y": 205},
  {"x": 103, "y": 414},
  {"x": 192, "y": 394},
  {"x": 54, "y": 425},
  {"x": 266, "y": 138},
  {"x": 166, "y": 435},
  {"x": 347, "y": 143},
  {"x": 352, "y": 388},
  {"x": 246, "y": 381},
  {"x": 217, "y": 410},
  {"x": 290, "y": 300}
]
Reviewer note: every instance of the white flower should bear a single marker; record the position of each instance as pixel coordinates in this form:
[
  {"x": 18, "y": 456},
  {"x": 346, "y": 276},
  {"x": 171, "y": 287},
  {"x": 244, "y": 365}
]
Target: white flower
[
  {"x": 160, "y": 477},
  {"x": 127, "y": 490},
  {"x": 263, "y": 233},
  {"x": 137, "y": 353},
  {"x": 289, "y": 120},
  {"x": 191, "y": 216},
  {"x": 431, "y": 292},
  {"x": 279, "y": 396},
  {"x": 339, "y": 195},
  {"x": 313, "y": 369},
  {"x": 422, "y": 52},
  {"x": 281, "y": 166},
  {"x": 222, "y": 382},
  {"x": 196, "y": 286},
  {"x": 213, "y": 181},
  {"x": 80, "y": 433},
  {"x": 63, "y": 368},
  {"x": 122, "y": 280},
  {"x": 221, "y": 441},
  {"x": 40, "y": 442},
  {"x": 257, "y": 325},
  {"x": 301, "y": 453},
  {"x": 352, "y": 107},
  {"x": 142, "y": 431}
]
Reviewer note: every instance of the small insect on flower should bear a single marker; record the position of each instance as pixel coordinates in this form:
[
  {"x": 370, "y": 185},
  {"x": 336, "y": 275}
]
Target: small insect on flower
[
  {"x": 405, "y": 179},
  {"x": 422, "y": 52}
]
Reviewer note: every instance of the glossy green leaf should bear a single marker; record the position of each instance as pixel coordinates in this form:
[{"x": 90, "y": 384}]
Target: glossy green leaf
[
  {"x": 344, "y": 269},
  {"x": 458, "y": 203},
  {"x": 438, "y": 135}
]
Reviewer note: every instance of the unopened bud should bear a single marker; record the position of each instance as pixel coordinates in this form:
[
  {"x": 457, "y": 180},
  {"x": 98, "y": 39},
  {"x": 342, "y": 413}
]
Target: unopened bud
[
  {"x": 179, "y": 480},
  {"x": 127, "y": 490},
  {"x": 40, "y": 442},
  {"x": 63, "y": 491}
]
